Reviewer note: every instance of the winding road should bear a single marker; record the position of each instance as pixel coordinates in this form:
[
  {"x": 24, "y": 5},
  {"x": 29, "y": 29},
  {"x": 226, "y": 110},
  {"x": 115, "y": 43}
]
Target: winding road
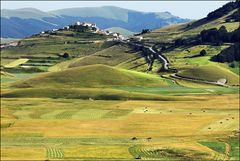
[
  {"x": 155, "y": 53},
  {"x": 165, "y": 62},
  {"x": 174, "y": 75}
]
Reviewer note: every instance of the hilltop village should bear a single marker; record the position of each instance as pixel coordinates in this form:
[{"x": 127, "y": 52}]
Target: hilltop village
[
  {"x": 87, "y": 27},
  {"x": 83, "y": 27}
]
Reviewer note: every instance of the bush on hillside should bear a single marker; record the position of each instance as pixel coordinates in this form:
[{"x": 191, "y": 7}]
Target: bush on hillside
[
  {"x": 64, "y": 55},
  {"x": 233, "y": 64},
  {"x": 219, "y": 36},
  {"x": 210, "y": 35},
  {"x": 203, "y": 53},
  {"x": 180, "y": 42},
  {"x": 163, "y": 48},
  {"x": 228, "y": 55},
  {"x": 235, "y": 17},
  {"x": 145, "y": 31}
]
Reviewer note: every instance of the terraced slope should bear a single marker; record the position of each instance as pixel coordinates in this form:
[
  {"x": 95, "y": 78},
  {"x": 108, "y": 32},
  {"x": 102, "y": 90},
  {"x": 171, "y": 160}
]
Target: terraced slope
[
  {"x": 120, "y": 55},
  {"x": 44, "y": 50},
  {"x": 111, "y": 56}
]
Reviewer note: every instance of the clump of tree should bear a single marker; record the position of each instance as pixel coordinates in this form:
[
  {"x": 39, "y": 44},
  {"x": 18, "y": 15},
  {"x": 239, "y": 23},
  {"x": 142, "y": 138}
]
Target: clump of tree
[
  {"x": 144, "y": 31},
  {"x": 220, "y": 35},
  {"x": 203, "y": 52},
  {"x": 138, "y": 157},
  {"x": 223, "y": 10},
  {"x": 163, "y": 48},
  {"x": 233, "y": 64},
  {"x": 79, "y": 28},
  {"x": 64, "y": 55},
  {"x": 180, "y": 42},
  {"x": 235, "y": 17},
  {"x": 134, "y": 138},
  {"x": 230, "y": 54}
]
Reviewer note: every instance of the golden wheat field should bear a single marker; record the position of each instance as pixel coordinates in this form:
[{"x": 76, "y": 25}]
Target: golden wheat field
[{"x": 94, "y": 129}]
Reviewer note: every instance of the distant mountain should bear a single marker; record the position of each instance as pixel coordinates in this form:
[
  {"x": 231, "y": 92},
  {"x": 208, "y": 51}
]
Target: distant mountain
[{"x": 24, "y": 22}]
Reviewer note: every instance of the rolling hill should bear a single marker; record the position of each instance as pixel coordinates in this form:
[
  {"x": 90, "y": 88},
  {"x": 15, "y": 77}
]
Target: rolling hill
[
  {"x": 211, "y": 73},
  {"x": 93, "y": 76},
  {"x": 27, "y": 21},
  {"x": 93, "y": 81}
]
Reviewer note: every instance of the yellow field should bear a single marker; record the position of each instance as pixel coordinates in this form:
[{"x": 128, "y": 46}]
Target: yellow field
[
  {"x": 86, "y": 129},
  {"x": 16, "y": 63}
]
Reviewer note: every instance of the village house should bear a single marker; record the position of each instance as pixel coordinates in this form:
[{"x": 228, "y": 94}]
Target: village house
[
  {"x": 114, "y": 34},
  {"x": 78, "y": 23},
  {"x": 117, "y": 36},
  {"x": 53, "y": 30},
  {"x": 85, "y": 24},
  {"x": 136, "y": 38},
  {"x": 66, "y": 27},
  {"x": 121, "y": 37},
  {"x": 15, "y": 43}
]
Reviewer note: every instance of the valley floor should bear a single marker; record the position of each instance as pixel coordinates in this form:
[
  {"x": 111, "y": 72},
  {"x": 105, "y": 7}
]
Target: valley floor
[{"x": 74, "y": 129}]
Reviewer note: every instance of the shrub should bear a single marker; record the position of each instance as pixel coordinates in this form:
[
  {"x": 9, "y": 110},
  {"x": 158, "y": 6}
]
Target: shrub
[
  {"x": 232, "y": 65},
  {"x": 203, "y": 53},
  {"x": 145, "y": 31},
  {"x": 66, "y": 55}
]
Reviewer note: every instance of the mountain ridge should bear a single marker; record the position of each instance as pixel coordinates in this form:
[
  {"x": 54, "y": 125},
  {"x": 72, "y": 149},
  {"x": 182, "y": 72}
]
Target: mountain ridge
[{"x": 25, "y": 22}]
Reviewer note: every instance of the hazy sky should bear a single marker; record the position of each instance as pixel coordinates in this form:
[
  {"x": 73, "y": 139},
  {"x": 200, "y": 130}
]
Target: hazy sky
[{"x": 184, "y": 9}]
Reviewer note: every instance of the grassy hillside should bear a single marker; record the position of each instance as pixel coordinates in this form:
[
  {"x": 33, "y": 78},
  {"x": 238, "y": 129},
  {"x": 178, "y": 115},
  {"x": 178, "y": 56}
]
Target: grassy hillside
[
  {"x": 111, "y": 56},
  {"x": 43, "y": 50},
  {"x": 93, "y": 76},
  {"x": 120, "y": 55},
  {"x": 191, "y": 29},
  {"x": 211, "y": 73},
  {"x": 8, "y": 40}
]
